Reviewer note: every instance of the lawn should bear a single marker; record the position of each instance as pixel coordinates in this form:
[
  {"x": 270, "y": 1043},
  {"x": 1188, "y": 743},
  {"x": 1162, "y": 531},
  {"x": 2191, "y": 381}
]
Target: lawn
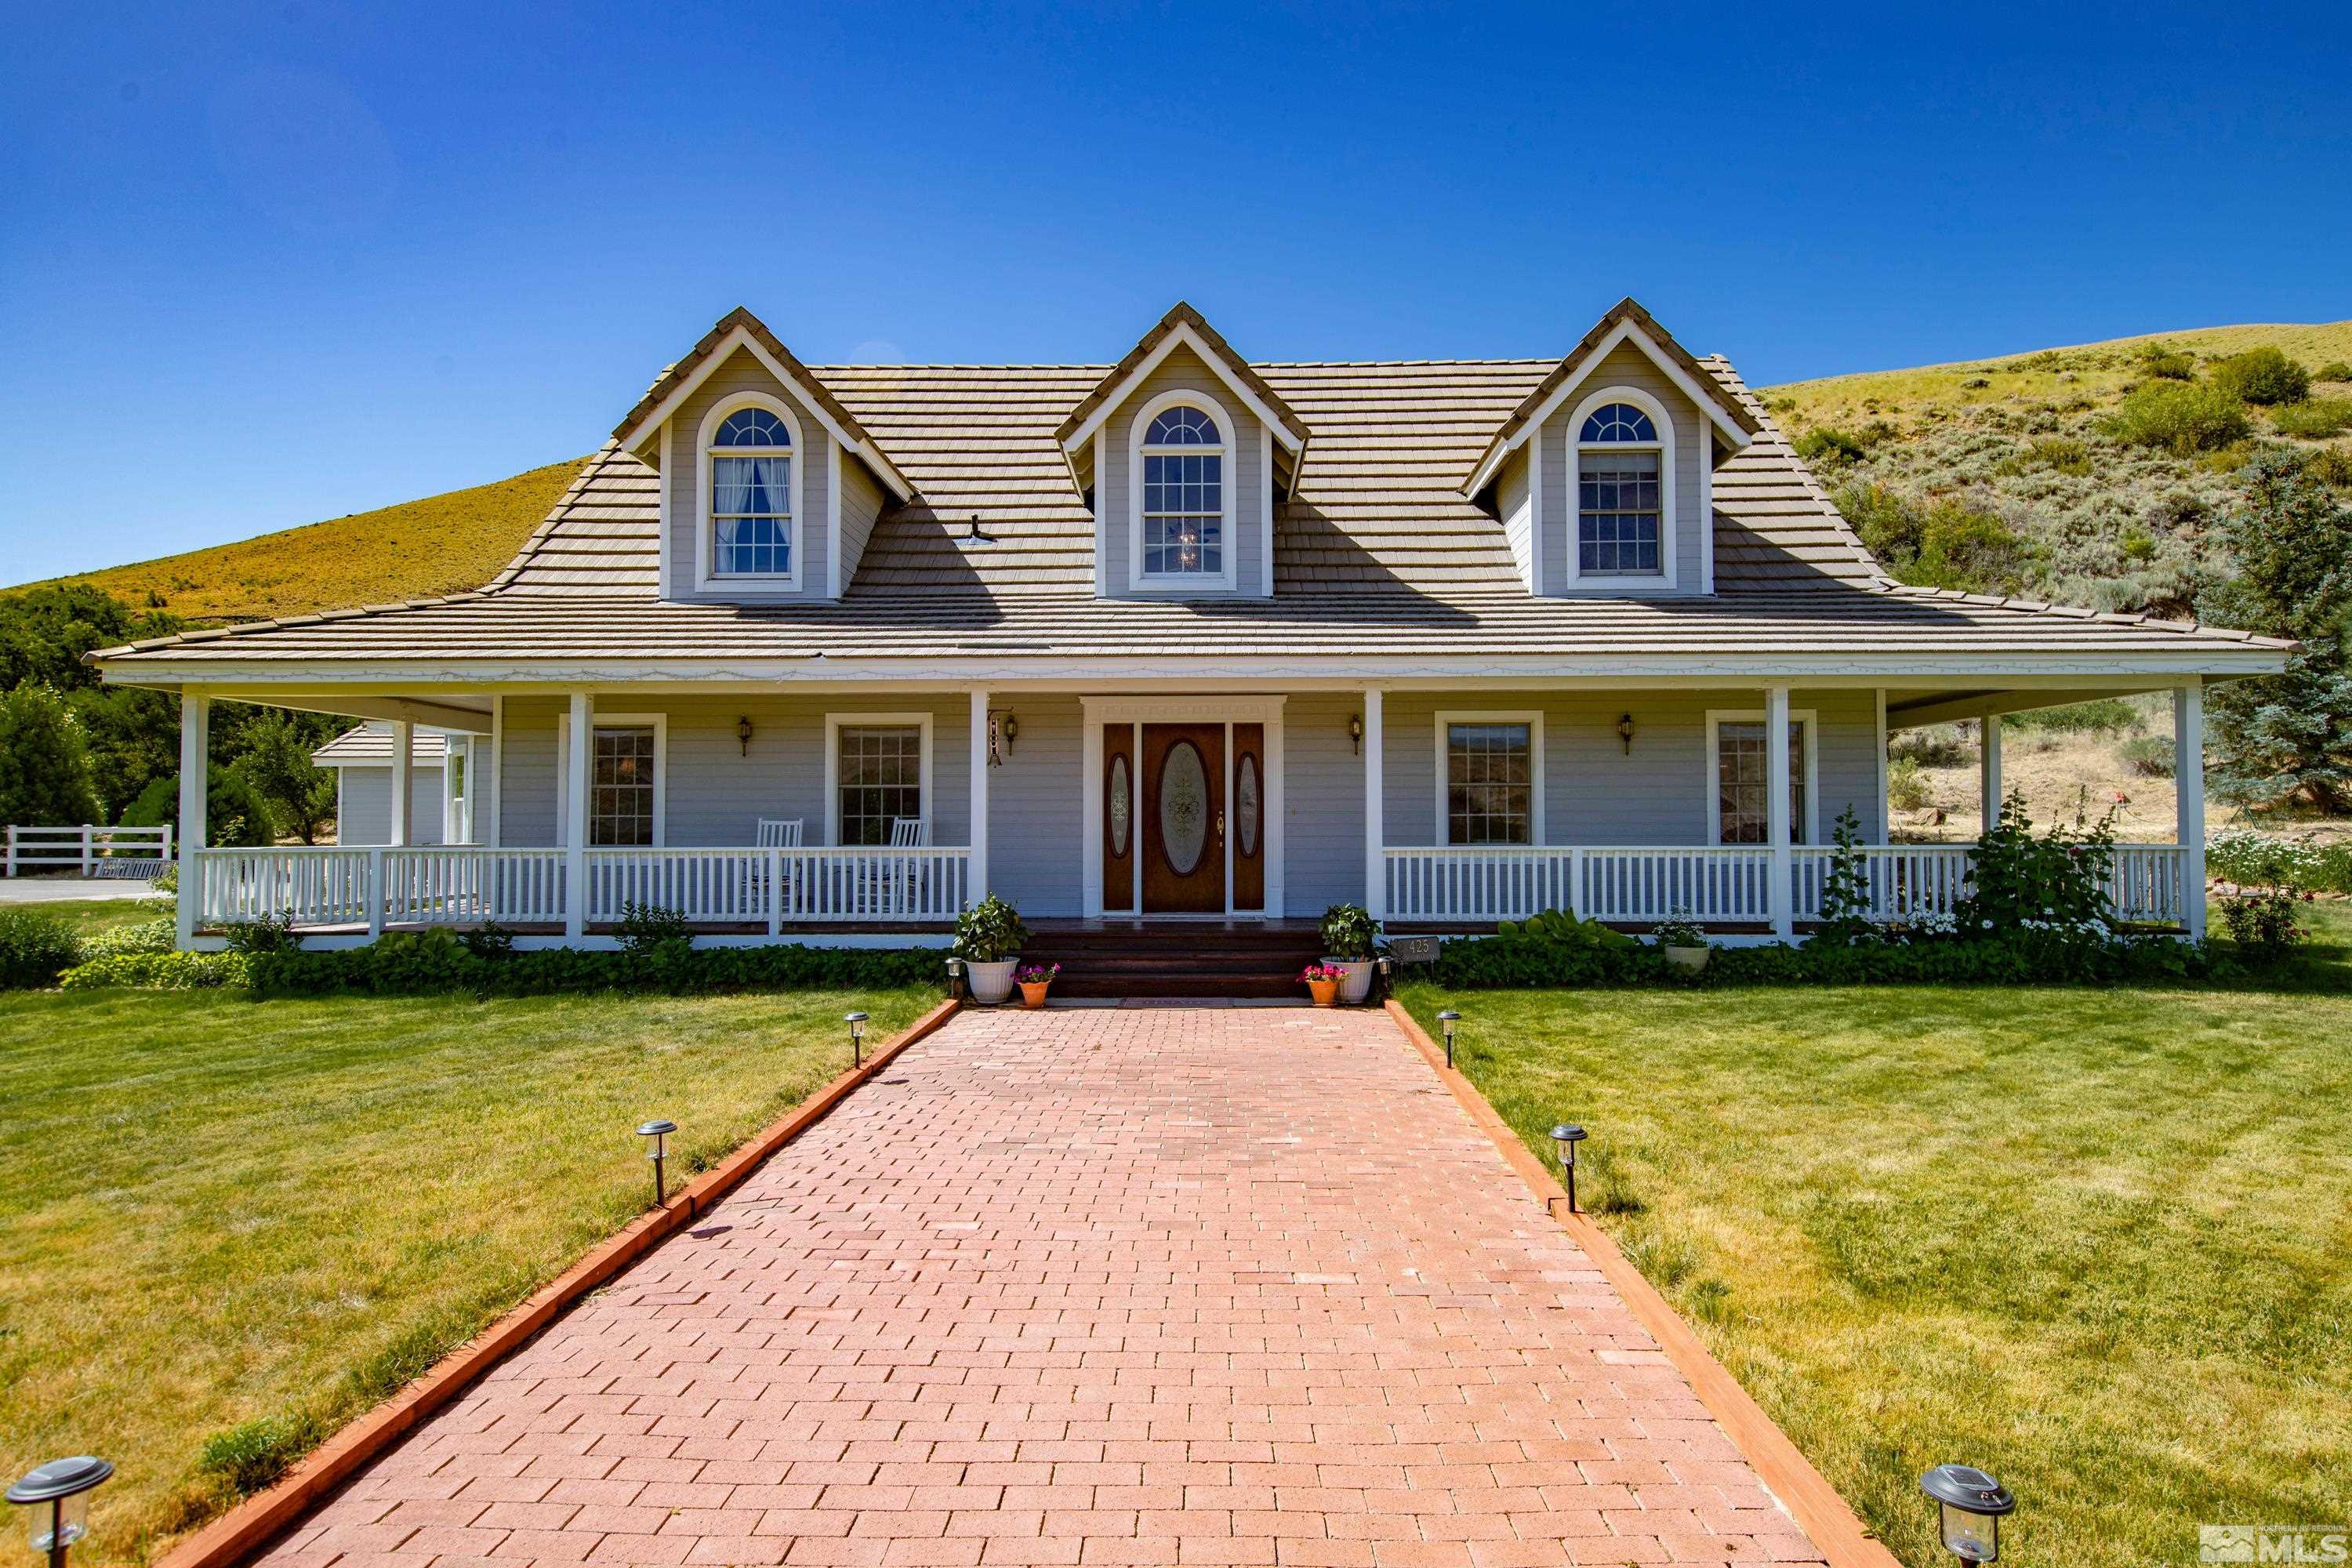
[
  {"x": 220, "y": 1211},
  {"x": 91, "y": 916},
  {"x": 2098, "y": 1242}
]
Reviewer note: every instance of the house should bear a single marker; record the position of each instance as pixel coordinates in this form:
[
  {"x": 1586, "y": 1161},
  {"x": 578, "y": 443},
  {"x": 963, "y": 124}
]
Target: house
[
  {"x": 826, "y": 652},
  {"x": 368, "y": 776}
]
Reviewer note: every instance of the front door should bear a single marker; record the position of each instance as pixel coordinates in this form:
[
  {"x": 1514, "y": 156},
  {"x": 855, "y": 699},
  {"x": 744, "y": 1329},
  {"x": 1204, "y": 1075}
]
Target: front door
[{"x": 1183, "y": 819}]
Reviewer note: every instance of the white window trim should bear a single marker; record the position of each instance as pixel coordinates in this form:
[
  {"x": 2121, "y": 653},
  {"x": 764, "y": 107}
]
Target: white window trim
[
  {"x": 1533, "y": 720},
  {"x": 834, "y": 724},
  {"x": 1669, "y": 522},
  {"x": 1811, "y": 763},
  {"x": 705, "y": 531},
  {"x": 603, "y": 720},
  {"x": 1227, "y": 578}
]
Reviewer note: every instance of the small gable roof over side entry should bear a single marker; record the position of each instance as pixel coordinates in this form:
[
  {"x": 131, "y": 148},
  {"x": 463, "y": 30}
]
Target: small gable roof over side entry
[
  {"x": 1625, "y": 322},
  {"x": 739, "y": 329}
]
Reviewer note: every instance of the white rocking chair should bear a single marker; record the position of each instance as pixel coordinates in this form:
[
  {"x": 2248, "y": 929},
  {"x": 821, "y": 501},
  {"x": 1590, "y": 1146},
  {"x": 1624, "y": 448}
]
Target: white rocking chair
[{"x": 779, "y": 832}]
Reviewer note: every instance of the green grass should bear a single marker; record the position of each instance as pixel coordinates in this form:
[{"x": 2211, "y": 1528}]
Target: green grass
[
  {"x": 91, "y": 916},
  {"x": 2099, "y": 1242},
  {"x": 446, "y": 543},
  {"x": 220, "y": 1212}
]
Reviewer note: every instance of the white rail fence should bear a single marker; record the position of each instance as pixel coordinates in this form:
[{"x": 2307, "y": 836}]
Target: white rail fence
[
  {"x": 1727, "y": 884},
  {"x": 88, "y": 848},
  {"x": 467, "y": 885}
]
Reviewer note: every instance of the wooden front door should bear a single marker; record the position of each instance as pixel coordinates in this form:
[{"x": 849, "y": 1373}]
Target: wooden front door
[{"x": 1182, "y": 822}]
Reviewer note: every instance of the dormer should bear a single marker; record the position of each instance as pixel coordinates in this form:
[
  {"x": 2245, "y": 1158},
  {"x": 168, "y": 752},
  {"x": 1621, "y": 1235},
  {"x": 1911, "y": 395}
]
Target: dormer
[
  {"x": 769, "y": 487},
  {"x": 1604, "y": 476},
  {"x": 1182, "y": 452}
]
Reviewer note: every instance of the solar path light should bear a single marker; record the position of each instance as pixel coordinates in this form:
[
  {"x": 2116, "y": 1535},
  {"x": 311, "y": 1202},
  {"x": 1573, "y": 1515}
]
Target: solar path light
[
  {"x": 1446, "y": 1020},
  {"x": 1565, "y": 1138},
  {"x": 56, "y": 1501},
  {"x": 1970, "y": 1504},
  {"x": 955, "y": 977},
  {"x": 856, "y": 1021},
  {"x": 658, "y": 1131}
]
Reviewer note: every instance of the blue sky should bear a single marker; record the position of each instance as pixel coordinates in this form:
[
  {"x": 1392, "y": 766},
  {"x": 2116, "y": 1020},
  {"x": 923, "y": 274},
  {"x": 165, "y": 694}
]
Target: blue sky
[{"x": 263, "y": 265}]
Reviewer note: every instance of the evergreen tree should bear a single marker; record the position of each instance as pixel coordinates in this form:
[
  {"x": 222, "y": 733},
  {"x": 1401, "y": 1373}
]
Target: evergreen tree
[
  {"x": 2288, "y": 735},
  {"x": 300, "y": 794},
  {"x": 44, "y": 763}
]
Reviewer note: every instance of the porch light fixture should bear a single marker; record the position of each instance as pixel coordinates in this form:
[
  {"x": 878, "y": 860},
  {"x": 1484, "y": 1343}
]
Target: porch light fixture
[
  {"x": 1356, "y": 732},
  {"x": 856, "y": 1021},
  {"x": 1565, "y": 1138},
  {"x": 1970, "y": 1504},
  {"x": 56, "y": 1501},
  {"x": 1446, "y": 1020},
  {"x": 744, "y": 734},
  {"x": 658, "y": 1132},
  {"x": 1011, "y": 731},
  {"x": 1625, "y": 732}
]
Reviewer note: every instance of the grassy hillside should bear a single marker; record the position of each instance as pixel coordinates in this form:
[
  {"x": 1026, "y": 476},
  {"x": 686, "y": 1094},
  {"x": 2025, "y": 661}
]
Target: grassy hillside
[
  {"x": 441, "y": 544},
  {"x": 2014, "y": 474}
]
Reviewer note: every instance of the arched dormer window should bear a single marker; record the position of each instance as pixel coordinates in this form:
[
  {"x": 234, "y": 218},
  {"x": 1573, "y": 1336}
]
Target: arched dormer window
[
  {"x": 1624, "y": 492},
  {"x": 747, "y": 462},
  {"x": 1184, "y": 495}
]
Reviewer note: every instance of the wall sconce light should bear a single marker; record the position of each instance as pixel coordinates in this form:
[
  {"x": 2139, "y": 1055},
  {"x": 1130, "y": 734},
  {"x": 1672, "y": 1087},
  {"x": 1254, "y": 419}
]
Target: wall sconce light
[
  {"x": 1012, "y": 733},
  {"x": 744, "y": 734},
  {"x": 1625, "y": 732},
  {"x": 1356, "y": 732}
]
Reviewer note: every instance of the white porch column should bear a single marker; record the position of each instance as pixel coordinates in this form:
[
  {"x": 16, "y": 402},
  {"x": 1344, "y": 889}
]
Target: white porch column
[
  {"x": 1376, "y": 873},
  {"x": 1988, "y": 786},
  {"x": 978, "y": 871},
  {"x": 195, "y": 736},
  {"x": 404, "y": 741},
  {"x": 1776, "y": 810},
  {"x": 575, "y": 818},
  {"x": 2189, "y": 800}
]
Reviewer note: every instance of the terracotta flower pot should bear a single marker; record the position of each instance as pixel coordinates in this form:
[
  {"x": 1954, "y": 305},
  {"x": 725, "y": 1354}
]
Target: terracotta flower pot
[
  {"x": 1325, "y": 992},
  {"x": 1033, "y": 992}
]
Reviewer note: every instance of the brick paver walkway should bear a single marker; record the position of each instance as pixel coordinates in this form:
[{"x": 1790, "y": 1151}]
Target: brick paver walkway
[{"x": 1151, "y": 1285}]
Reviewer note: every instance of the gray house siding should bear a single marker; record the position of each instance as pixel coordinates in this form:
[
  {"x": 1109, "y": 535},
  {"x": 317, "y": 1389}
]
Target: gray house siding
[
  {"x": 1185, "y": 371},
  {"x": 1322, "y": 804},
  {"x": 1514, "y": 503},
  {"x": 1035, "y": 800},
  {"x": 1622, "y": 366},
  {"x": 681, "y": 467},
  {"x": 861, "y": 503},
  {"x": 363, "y": 805}
]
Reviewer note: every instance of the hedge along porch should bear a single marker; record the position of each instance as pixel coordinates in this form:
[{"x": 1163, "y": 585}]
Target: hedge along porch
[{"x": 846, "y": 815}]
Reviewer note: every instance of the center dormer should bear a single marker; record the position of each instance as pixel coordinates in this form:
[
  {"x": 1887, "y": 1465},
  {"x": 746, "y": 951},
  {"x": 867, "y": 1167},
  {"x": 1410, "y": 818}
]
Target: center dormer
[{"x": 1181, "y": 451}]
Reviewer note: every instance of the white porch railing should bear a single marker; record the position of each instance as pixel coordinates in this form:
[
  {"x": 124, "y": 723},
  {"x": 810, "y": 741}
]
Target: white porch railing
[
  {"x": 469, "y": 884},
  {"x": 88, "y": 846},
  {"x": 1730, "y": 883}
]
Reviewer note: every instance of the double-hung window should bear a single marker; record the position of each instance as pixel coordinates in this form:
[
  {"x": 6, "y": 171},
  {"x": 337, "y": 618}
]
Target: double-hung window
[
  {"x": 1493, "y": 775},
  {"x": 1183, "y": 508},
  {"x": 621, "y": 786},
  {"x": 1742, "y": 767},
  {"x": 880, "y": 769},
  {"x": 1619, "y": 515},
  {"x": 751, "y": 464}
]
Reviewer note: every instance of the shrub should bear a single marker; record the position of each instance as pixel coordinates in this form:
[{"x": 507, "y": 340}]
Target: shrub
[
  {"x": 2017, "y": 881},
  {"x": 1932, "y": 746},
  {"x": 34, "y": 949},
  {"x": 1348, "y": 933},
  {"x": 269, "y": 934},
  {"x": 2331, "y": 467},
  {"x": 2317, "y": 420},
  {"x": 1679, "y": 930},
  {"x": 2167, "y": 365},
  {"x": 2263, "y": 923},
  {"x": 161, "y": 971},
  {"x": 488, "y": 940},
  {"x": 147, "y": 936},
  {"x": 2062, "y": 454},
  {"x": 1827, "y": 445},
  {"x": 2263, "y": 376},
  {"x": 2150, "y": 756},
  {"x": 44, "y": 775},
  {"x": 646, "y": 928},
  {"x": 2183, "y": 420},
  {"x": 1945, "y": 544},
  {"x": 990, "y": 932},
  {"x": 1906, "y": 785},
  {"x": 424, "y": 962},
  {"x": 2097, "y": 716},
  {"x": 2334, "y": 370}
]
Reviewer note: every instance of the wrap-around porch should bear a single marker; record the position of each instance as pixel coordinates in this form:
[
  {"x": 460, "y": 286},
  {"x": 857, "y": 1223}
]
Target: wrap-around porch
[{"x": 1082, "y": 808}]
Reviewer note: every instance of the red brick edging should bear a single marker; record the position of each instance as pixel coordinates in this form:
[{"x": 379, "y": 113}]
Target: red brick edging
[
  {"x": 1815, "y": 1504},
  {"x": 245, "y": 1527}
]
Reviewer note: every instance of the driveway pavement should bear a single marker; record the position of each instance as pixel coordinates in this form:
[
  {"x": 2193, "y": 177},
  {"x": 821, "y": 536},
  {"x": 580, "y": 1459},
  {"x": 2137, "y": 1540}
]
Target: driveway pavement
[{"x": 1146, "y": 1285}]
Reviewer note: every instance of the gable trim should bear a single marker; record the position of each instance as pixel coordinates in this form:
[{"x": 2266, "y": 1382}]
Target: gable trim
[
  {"x": 1220, "y": 364},
  {"x": 1561, "y": 385}
]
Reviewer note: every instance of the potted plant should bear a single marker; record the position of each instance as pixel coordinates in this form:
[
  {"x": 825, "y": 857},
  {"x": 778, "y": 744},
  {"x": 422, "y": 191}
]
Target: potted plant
[
  {"x": 1348, "y": 939},
  {"x": 1034, "y": 980},
  {"x": 989, "y": 938},
  {"x": 1683, "y": 940},
  {"x": 1323, "y": 983}
]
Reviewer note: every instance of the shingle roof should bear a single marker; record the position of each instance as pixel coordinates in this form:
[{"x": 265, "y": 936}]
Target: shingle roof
[
  {"x": 1378, "y": 552},
  {"x": 370, "y": 745}
]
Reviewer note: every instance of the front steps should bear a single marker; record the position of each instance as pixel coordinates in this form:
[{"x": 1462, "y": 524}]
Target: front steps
[{"x": 1177, "y": 958}]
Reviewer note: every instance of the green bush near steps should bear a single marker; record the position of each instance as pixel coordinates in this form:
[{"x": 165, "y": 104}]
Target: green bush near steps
[{"x": 411, "y": 962}]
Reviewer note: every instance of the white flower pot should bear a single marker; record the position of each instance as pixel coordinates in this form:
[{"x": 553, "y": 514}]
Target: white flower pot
[
  {"x": 990, "y": 982},
  {"x": 1693, "y": 958},
  {"x": 1358, "y": 983}
]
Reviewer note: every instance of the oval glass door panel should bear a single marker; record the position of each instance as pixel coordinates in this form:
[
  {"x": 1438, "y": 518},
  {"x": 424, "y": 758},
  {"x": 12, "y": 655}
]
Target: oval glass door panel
[
  {"x": 1121, "y": 807},
  {"x": 1246, "y": 803},
  {"x": 1183, "y": 807}
]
